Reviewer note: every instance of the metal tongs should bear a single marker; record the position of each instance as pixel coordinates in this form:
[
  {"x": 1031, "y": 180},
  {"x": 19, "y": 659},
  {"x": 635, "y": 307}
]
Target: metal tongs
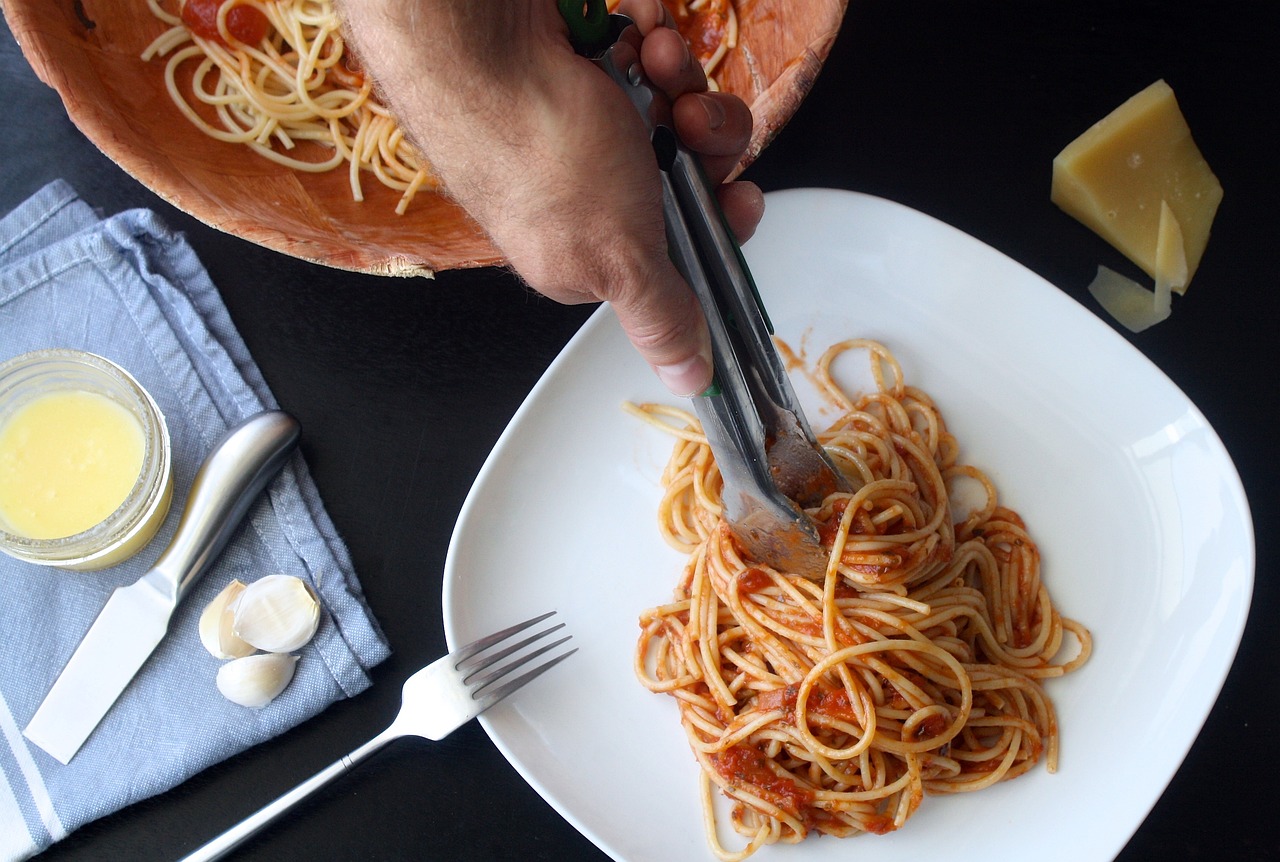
[{"x": 772, "y": 465}]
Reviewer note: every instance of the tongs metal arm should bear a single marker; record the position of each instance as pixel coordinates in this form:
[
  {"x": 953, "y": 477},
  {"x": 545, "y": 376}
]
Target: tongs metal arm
[{"x": 771, "y": 463}]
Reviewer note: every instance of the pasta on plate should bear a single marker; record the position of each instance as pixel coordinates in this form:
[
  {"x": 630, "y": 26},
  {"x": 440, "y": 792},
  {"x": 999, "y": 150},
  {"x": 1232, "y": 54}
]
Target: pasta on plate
[{"x": 914, "y": 667}]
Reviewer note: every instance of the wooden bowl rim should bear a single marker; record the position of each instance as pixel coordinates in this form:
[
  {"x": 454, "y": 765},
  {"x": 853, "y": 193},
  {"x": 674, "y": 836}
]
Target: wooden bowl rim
[{"x": 773, "y": 108}]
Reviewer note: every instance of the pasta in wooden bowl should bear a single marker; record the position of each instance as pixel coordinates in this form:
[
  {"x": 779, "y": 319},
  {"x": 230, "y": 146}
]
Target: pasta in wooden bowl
[{"x": 110, "y": 61}]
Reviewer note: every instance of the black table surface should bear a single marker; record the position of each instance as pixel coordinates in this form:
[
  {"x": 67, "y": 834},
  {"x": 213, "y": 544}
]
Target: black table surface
[{"x": 953, "y": 108}]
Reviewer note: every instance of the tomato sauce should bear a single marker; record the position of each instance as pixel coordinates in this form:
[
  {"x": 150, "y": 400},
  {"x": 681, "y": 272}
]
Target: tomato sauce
[
  {"x": 828, "y": 529},
  {"x": 747, "y": 765},
  {"x": 245, "y": 23},
  {"x": 704, "y": 29},
  {"x": 754, "y": 580},
  {"x": 932, "y": 726},
  {"x": 878, "y": 824},
  {"x": 831, "y": 702}
]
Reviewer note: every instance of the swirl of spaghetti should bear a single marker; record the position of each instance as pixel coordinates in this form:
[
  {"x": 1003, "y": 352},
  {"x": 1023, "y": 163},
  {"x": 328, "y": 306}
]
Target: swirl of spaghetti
[
  {"x": 913, "y": 668},
  {"x": 294, "y": 96}
]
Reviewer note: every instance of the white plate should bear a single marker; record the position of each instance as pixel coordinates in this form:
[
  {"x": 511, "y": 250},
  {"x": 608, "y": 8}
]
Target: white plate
[{"x": 1138, "y": 510}]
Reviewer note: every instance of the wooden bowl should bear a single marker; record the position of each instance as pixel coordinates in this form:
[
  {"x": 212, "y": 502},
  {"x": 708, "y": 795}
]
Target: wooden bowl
[{"x": 89, "y": 51}]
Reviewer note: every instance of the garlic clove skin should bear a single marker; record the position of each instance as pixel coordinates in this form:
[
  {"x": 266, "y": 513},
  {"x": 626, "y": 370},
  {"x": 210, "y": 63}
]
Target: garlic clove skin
[
  {"x": 254, "y": 681},
  {"x": 277, "y": 613},
  {"x": 216, "y": 630}
]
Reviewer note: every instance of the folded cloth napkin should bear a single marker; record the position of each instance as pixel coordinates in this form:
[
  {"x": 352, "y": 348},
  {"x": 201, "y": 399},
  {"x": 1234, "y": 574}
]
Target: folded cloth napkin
[{"x": 131, "y": 290}]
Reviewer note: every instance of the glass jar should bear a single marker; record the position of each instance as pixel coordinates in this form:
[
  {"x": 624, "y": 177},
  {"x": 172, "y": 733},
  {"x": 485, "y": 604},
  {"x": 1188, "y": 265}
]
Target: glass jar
[{"x": 80, "y": 378}]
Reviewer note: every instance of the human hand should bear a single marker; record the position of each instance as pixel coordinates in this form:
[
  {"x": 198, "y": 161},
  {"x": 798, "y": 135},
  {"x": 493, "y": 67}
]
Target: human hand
[{"x": 551, "y": 159}]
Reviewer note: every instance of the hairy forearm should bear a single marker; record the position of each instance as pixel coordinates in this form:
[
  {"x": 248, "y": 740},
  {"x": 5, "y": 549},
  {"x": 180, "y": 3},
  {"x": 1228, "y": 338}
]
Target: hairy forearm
[
  {"x": 515, "y": 124},
  {"x": 440, "y": 63},
  {"x": 410, "y": 33}
]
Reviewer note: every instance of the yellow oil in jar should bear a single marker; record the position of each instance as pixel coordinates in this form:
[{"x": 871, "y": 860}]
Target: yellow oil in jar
[{"x": 68, "y": 459}]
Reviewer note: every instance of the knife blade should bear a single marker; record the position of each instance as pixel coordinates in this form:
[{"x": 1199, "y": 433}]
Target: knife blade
[{"x": 136, "y": 617}]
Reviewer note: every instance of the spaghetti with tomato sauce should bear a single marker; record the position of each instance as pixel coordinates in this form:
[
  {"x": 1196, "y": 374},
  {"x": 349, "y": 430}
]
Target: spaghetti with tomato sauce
[
  {"x": 275, "y": 76},
  {"x": 709, "y": 27},
  {"x": 915, "y": 666},
  {"x": 244, "y": 24}
]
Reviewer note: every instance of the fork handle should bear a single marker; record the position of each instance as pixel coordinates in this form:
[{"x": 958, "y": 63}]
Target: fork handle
[{"x": 269, "y": 813}]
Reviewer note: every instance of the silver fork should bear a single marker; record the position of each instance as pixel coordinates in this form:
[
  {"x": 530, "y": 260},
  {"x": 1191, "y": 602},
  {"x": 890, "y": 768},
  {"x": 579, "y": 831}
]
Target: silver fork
[{"x": 436, "y": 701}]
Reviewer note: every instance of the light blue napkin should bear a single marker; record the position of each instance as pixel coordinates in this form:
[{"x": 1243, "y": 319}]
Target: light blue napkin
[{"x": 130, "y": 289}]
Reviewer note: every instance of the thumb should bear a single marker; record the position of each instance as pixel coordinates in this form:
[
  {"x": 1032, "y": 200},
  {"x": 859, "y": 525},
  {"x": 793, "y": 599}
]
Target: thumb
[{"x": 664, "y": 322}]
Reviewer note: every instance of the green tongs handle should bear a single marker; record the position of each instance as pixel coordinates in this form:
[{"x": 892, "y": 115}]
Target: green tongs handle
[{"x": 588, "y": 22}]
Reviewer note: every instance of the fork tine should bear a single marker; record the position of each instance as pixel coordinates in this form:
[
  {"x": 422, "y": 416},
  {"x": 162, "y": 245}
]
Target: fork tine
[
  {"x": 477, "y": 681},
  {"x": 463, "y": 653},
  {"x": 498, "y": 692},
  {"x": 471, "y": 666}
]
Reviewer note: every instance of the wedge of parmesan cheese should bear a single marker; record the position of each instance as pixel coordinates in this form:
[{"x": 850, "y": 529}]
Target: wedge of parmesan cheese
[{"x": 1138, "y": 180}]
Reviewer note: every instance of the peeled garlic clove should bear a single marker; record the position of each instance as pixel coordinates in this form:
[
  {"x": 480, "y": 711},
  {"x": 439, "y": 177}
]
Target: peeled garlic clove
[
  {"x": 216, "y": 632},
  {"x": 254, "y": 681},
  {"x": 277, "y": 613}
]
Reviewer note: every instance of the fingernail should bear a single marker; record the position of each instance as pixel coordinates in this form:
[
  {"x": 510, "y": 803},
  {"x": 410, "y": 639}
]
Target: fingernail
[
  {"x": 664, "y": 16},
  {"x": 685, "y": 378},
  {"x": 714, "y": 111}
]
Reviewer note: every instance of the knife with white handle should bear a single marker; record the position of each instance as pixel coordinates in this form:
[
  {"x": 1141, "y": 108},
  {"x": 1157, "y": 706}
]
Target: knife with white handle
[{"x": 136, "y": 617}]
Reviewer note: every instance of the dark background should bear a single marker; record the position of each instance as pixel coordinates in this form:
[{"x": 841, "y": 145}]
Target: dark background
[{"x": 402, "y": 386}]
